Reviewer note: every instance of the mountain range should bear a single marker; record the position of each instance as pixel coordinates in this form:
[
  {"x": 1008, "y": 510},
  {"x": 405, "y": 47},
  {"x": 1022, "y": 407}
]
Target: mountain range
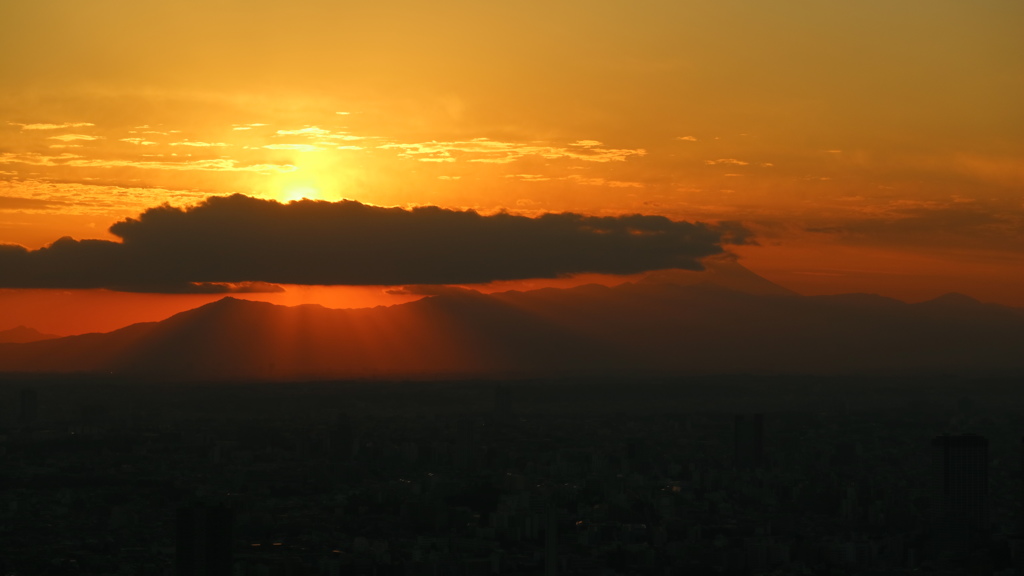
[
  {"x": 726, "y": 320},
  {"x": 23, "y": 334}
]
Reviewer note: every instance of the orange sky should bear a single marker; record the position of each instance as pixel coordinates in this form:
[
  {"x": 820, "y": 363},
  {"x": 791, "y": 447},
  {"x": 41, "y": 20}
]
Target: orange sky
[{"x": 870, "y": 146}]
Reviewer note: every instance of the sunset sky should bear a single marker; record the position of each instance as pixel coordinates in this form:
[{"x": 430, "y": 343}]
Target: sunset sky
[{"x": 862, "y": 146}]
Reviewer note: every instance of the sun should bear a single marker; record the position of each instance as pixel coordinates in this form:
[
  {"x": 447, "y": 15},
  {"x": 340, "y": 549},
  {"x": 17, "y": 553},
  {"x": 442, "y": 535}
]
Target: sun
[{"x": 300, "y": 192}]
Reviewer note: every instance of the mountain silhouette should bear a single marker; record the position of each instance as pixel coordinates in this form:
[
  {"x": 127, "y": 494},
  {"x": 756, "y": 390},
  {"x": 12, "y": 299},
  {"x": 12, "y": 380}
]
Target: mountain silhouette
[
  {"x": 23, "y": 334},
  {"x": 723, "y": 272},
  {"x": 651, "y": 327}
]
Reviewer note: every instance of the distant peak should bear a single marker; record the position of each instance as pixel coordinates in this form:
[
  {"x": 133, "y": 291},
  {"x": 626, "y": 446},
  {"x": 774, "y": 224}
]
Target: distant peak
[
  {"x": 23, "y": 334},
  {"x": 953, "y": 299},
  {"x": 229, "y": 301},
  {"x": 721, "y": 273}
]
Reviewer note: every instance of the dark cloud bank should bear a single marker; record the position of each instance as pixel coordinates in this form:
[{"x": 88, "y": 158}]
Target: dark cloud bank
[{"x": 238, "y": 243}]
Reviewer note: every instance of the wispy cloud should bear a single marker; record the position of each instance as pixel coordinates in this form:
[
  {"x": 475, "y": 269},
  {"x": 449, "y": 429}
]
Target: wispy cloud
[
  {"x": 198, "y": 144},
  {"x": 97, "y": 200},
  {"x": 343, "y": 136},
  {"x": 308, "y": 130},
  {"x": 75, "y": 160},
  {"x": 602, "y": 182},
  {"x": 34, "y": 159},
  {"x": 686, "y": 138},
  {"x": 300, "y": 147},
  {"x": 51, "y": 126},
  {"x": 213, "y": 165},
  {"x": 728, "y": 161},
  {"x": 29, "y": 204},
  {"x": 529, "y": 177},
  {"x": 72, "y": 137},
  {"x": 575, "y": 179},
  {"x": 495, "y": 151}
]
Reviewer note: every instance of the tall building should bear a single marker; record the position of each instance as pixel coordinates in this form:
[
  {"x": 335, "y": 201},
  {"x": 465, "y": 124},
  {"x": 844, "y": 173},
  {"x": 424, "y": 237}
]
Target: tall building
[
  {"x": 551, "y": 544},
  {"x": 28, "y": 406},
  {"x": 960, "y": 490},
  {"x": 748, "y": 435},
  {"x": 204, "y": 534},
  {"x": 342, "y": 438},
  {"x": 502, "y": 401},
  {"x": 1020, "y": 509}
]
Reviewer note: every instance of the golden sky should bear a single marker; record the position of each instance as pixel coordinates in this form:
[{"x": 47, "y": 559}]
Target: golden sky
[{"x": 870, "y": 146}]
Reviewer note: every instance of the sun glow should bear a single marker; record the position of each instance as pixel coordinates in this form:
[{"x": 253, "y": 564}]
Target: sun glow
[
  {"x": 313, "y": 179},
  {"x": 296, "y": 193}
]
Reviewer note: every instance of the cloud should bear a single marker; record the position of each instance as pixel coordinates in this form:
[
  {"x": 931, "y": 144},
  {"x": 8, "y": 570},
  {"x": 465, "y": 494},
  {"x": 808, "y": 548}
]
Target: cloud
[
  {"x": 319, "y": 135},
  {"x": 951, "y": 223},
  {"x": 430, "y": 290},
  {"x": 70, "y": 137},
  {"x": 212, "y": 165},
  {"x": 52, "y": 126},
  {"x": 198, "y": 144},
  {"x": 602, "y": 182},
  {"x": 209, "y": 165},
  {"x": 19, "y": 203},
  {"x": 728, "y": 161},
  {"x": 309, "y": 130},
  {"x": 34, "y": 159},
  {"x": 205, "y": 288},
  {"x": 497, "y": 152},
  {"x": 79, "y": 199},
  {"x": 241, "y": 239},
  {"x": 343, "y": 136},
  {"x": 301, "y": 147},
  {"x": 686, "y": 138}
]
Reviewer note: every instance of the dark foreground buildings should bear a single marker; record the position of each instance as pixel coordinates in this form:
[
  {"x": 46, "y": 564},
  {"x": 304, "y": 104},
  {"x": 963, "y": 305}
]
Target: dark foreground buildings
[
  {"x": 387, "y": 479},
  {"x": 749, "y": 441},
  {"x": 960, "y": 503},
  {"x": 204, "y": 541}
]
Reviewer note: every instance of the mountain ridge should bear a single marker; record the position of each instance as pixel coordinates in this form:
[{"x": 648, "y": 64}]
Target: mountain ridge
[
  {"x": 629, "y": 329},
  {"x": 23, "y": 334}
]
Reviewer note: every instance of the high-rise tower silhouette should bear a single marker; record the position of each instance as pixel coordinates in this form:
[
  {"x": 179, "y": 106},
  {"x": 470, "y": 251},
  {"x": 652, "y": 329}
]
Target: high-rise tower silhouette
[
  {"x": 28, "y": 406},
  {"x": 960, "y": 504},
  {"x": 748, "y": 435},
  {"x": 342, "y": 438},
  {"x": 204, "y": 535}
]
